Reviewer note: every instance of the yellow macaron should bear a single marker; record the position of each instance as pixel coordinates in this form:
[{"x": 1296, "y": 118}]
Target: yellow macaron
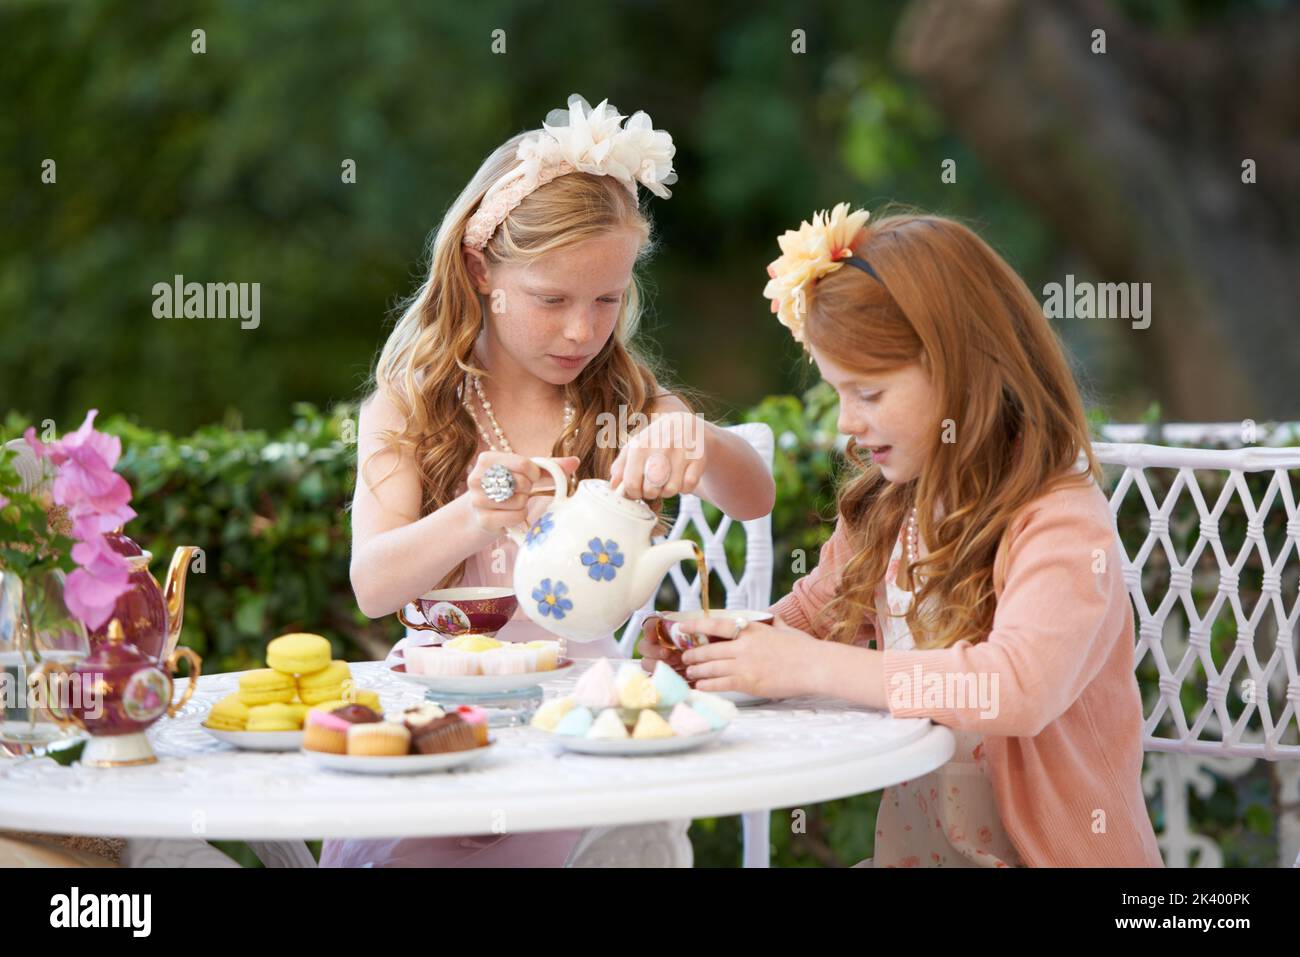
[
  {"x": 354, "y": 695},
  {"x": 298, "y": 654},
  {"x": 360, "y": 696},
  {"x": 300, "y": 710},
  {"x": 326, "y": 684},
  {"x": 265, "y": 686},
  {"x": 327, "y": 705},
  {"x": 228, "y": 714},
  {"x": 368, "y": 698},
  {"x": 274, "y": 717}
]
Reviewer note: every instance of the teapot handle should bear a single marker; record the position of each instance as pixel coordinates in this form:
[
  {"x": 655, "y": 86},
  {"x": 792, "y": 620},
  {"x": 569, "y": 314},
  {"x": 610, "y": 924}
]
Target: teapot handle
[
  {"x": 558, "y": 474},
  {"x": 561, "y": 490},
  {"x": 196, "y": 667}
]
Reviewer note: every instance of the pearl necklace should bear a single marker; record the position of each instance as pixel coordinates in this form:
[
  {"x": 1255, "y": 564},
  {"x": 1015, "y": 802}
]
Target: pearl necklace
[
  {"x": 569, "y": 413},
  {"x": 911, "y": 538}
]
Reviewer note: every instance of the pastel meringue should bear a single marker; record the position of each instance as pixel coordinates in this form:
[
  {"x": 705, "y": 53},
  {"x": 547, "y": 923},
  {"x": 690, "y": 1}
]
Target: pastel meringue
[
  {"x": 596, "y": 689},
  {"x": 576, "y": 722},
  {"x": 650, "y": 724},
  {"x": 670, "y": 686},
  {"x": 608, "y": 726},
  {"x": 685, "y": 720},
  {"x": 712, "y": 708},
  {"x": 627, "y": 671},
  {"x": 721, "y": 705},
  {"x": 550, "y": 713},
  {"x": 638, "y": 692}
]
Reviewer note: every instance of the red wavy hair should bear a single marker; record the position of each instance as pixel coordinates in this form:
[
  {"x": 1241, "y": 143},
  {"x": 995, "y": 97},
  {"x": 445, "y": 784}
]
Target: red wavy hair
[{"x": 947, "y": 301}]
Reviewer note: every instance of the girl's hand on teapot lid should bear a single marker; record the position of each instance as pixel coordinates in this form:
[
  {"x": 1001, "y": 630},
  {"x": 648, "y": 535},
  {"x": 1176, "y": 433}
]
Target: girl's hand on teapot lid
[{"x": 664, "y": 459}]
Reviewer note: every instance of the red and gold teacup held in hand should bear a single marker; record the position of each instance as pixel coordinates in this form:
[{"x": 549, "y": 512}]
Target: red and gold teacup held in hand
[
  {"x": 673, "y": 628},
  {"x": 114, "y": 695},
  {"x": 452, "y": 612}
]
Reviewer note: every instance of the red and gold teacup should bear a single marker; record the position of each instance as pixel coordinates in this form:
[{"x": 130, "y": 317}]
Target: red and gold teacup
[
  {"x": 673, "y": 627},
  {"x": 452, "y": 612}
]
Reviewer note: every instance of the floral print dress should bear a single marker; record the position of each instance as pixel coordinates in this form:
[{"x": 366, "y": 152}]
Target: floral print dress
[{"x": 947, "y": 818}]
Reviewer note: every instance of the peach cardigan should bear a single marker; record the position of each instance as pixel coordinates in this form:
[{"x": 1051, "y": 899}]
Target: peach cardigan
[{"x": 1064, "y": 748}]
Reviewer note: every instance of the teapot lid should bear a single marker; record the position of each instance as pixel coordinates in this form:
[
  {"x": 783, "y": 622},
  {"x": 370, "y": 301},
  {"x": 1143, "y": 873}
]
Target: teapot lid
[
  {"x": 113, "y": 651},
  {"x": 601, "y": 491},
  {"x": 119, "y": 542}
]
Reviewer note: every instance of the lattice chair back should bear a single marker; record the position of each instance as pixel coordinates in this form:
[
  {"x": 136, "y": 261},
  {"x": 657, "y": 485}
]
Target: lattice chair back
[
  {"x": 1211, "y": 543},
  {"x": 753, "y": 588}
]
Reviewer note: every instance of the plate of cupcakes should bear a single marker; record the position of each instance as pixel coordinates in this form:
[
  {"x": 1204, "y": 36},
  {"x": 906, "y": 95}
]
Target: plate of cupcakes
[
  {"x": 268, "y": 710},
  {"x": 358, "y": 739},
  {"x": 631, "y": 713},
  {"x": 478, "y": 663}
]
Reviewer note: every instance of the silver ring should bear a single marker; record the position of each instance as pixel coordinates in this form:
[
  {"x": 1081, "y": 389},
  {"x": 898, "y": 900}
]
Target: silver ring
[
  {"x": 741, "y": 624},
  {"x": 498, "y": 483}
]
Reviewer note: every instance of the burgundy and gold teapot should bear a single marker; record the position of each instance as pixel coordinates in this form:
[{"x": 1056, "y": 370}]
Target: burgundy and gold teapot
[
  {"x": 150, "y": 614},
  {"x": 114, "y": 695}
]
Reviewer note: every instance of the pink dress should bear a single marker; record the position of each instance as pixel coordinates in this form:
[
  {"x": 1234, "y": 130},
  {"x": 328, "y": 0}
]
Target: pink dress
[
  {"x": 492, "y": 566},
  {"x": 947, "y": 818}
]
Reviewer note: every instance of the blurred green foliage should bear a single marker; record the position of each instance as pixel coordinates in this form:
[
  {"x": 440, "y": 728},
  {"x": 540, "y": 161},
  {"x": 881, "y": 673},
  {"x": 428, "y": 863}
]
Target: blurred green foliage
[{"x": 225, "y": 166}]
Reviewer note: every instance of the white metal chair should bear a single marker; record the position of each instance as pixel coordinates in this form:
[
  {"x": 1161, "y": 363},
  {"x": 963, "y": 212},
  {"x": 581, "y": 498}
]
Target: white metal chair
[
  {"x": 1177, "y": 490},
  {"x": 666, "y": 843},
  {"x": 1180, "y": 761},
  {"x": 752, "y": 590}
]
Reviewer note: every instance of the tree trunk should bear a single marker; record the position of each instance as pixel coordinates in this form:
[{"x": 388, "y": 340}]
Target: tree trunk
[{"x": 1135, "y": 157}]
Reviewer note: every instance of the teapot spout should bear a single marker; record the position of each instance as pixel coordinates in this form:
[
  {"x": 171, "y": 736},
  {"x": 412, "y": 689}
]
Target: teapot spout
[
  {"x": 174, "y": 595},
  {"x": 654, "y": 564}
]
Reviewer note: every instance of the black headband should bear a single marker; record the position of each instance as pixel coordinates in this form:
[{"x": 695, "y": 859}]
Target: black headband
[{"x": 864, "y": 266}]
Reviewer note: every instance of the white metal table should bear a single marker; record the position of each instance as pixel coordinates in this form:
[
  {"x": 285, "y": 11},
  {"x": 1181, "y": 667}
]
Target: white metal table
[{"x": 783, "y": 754}]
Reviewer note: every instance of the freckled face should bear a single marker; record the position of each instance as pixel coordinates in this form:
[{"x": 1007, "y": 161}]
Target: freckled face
[
  {"x": 558, "y": 311},
  {"x": 894, "y": 414}
]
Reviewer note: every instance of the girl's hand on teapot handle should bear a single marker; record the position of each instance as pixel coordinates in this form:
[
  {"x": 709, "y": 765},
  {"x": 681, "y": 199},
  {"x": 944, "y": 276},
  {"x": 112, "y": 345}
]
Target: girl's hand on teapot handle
[
  {"x": 666, "y": 458},
  {"x": 498, "y": 516}
]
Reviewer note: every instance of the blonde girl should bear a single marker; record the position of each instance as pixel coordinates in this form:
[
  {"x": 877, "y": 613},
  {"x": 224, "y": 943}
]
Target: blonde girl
[{"x": 517, "y": 341}]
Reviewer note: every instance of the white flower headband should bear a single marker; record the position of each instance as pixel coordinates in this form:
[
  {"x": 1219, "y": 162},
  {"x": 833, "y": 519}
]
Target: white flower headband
[
  {"x": 578, "y": 140},
  {"x": 816, "y": 249}
]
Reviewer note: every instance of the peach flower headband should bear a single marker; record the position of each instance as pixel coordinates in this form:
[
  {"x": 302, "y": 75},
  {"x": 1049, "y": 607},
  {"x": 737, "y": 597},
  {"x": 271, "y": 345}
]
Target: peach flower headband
[
  {"x": 578, "y": 140},
  {"x": 814, "y": 250}
]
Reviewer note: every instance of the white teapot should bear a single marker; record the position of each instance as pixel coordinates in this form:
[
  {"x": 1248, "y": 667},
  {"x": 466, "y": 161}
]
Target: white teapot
[{"x": 587, "y": 564}]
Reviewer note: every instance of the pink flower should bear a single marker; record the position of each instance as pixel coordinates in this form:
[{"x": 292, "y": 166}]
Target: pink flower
[
  {"x": 37, "y": 445},
  {"x": 96, "y": 498},
  {"x": 92, "y": 590},
  {"x": 85, "y": 459}
]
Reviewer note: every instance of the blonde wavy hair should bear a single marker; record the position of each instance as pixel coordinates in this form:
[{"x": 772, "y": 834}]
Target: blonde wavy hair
[
  {"x": 424, "y": 363},
  {"x": 949, "y": 302}
]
